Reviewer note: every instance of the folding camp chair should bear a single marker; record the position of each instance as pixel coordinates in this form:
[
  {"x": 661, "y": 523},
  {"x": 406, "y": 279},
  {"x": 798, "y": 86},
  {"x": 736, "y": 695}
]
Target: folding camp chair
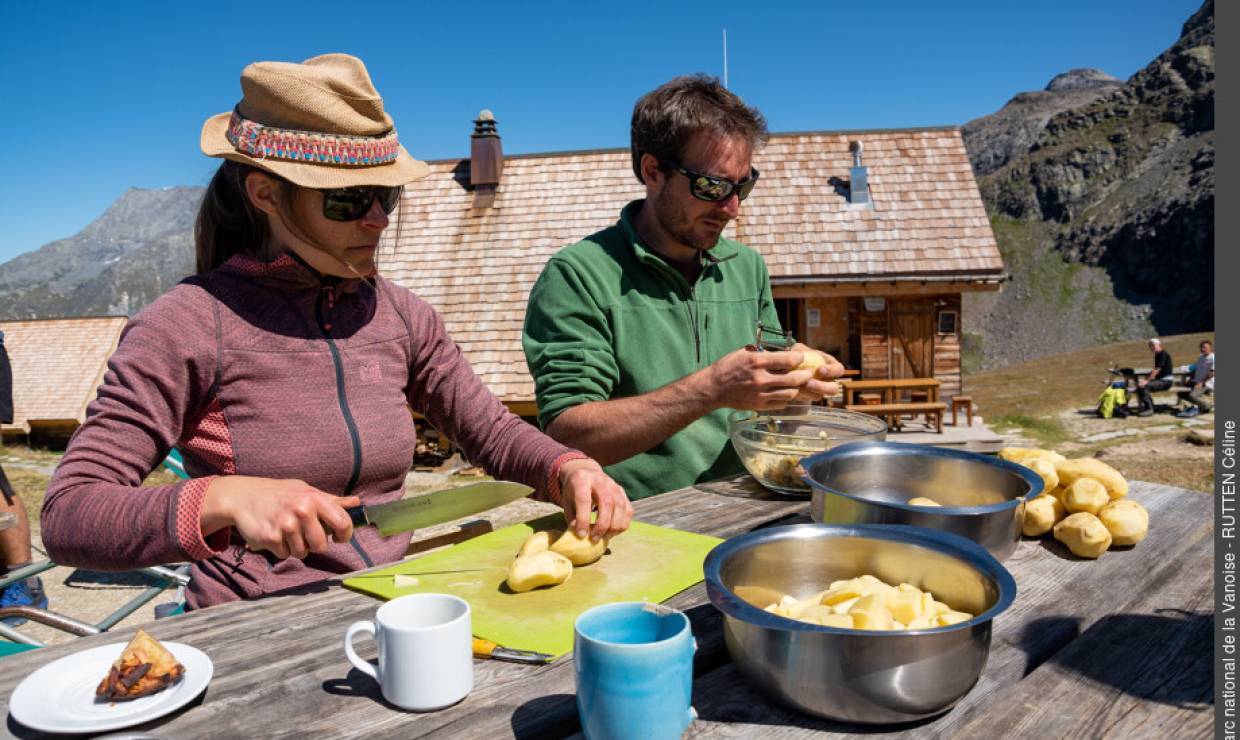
[{"x": 165, "y": 577}]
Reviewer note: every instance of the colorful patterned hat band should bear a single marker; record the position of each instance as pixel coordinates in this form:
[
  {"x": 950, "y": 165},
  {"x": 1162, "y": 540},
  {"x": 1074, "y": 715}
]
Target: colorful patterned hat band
[{"x": 269, "y": 142}]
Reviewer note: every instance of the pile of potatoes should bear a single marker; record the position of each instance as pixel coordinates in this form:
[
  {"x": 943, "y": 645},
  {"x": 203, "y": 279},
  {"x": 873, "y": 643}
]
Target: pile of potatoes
[
  {"x": 867, "y": 603},
  {"x": 1085, "y": 506},
  {"x": 547, "y": 558}
]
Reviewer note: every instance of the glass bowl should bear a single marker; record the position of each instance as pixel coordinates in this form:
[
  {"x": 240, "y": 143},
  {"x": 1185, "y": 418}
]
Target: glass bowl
[{"x": 772, "y": 443}]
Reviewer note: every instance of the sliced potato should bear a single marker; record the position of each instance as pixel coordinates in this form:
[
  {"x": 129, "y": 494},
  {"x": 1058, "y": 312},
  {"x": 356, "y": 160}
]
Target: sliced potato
[
  {"x": 544, "y": 568},
  {"x": 923, "y": 501}
]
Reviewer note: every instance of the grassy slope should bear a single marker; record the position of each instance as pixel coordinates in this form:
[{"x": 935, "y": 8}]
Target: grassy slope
[{"x": 1036, "y": 398}]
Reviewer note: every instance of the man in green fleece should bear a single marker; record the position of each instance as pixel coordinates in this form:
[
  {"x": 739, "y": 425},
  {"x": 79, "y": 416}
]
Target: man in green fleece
[{"x": 637, "y": 335}]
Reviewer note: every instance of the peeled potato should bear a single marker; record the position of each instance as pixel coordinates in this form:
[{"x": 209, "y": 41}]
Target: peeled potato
[
  {"x": 544, "y": 568},
  {"x": 1041, "y": 514},
  {"x": 923, "y": 501},
  {"x": 1088, "y": 467},
  {"x": 1126, "y": 520},
  {"x": 837, "y": 620},
  {"x": 579, "y": 550},
  {"x": 953, "y": 617},
  {"x": 1085, "y": 494},
  {"x": 811, "y": 360},
  {"x": 1084, "y": 534},
  {"x": 870, "y": 613},
  {"x": 1045, "y": 470},
  {"x": 538, "y": 542},
  {"x": 1021, "y": 454}
]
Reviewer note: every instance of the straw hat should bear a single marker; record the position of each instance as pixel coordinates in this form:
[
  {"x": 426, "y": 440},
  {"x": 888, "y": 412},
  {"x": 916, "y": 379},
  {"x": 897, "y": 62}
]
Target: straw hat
[{"x": 319, "y": 124}]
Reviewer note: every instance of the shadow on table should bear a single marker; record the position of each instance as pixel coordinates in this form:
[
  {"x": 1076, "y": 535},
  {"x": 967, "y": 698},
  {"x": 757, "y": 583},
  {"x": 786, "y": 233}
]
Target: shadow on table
[
  {"x": 1163, "y": 657},
  {"x": 725, "y": 696},
  {"x": 554, "y": 715}
]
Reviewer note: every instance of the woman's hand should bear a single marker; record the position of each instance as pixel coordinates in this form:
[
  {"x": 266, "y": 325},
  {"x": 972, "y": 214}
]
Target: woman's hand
[
  {"x": 287, "y": 517},
  {"x": 585, "y": 487}
]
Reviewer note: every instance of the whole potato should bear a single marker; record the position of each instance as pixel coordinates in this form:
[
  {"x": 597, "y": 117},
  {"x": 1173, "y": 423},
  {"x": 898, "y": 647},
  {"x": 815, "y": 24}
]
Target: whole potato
[
  {"x": 1084, "y": 534},
  {"x": 1021, "y": 454},
  {"x": 1088, "y": 467},
  {"x": 1085, "y": 494},
  {"x": 1126, "y": 520},
  {"x": 811, "y": 360},
  {"x": 1041, "y": 514},
  {"x": 1045, "y": 470}
]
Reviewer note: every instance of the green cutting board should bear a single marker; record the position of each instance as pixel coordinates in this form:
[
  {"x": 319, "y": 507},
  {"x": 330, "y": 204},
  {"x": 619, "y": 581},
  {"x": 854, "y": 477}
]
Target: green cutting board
[{"x": 646, "y": 563}]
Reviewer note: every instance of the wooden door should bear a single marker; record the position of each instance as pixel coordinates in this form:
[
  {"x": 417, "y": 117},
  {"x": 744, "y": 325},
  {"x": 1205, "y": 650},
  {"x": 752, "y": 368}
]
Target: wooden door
[{"x": 911, "y": 324}]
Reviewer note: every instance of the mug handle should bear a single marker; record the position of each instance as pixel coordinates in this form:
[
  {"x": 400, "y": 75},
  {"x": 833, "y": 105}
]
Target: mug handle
[{"x": 362, "y": 665}]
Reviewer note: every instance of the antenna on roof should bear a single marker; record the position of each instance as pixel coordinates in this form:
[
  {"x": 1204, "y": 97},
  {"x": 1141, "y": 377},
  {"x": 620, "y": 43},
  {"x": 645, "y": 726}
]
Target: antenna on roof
[{"x": 725, "y": 57}]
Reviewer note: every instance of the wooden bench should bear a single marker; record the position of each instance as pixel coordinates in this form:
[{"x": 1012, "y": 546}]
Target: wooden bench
[{"x": 892, "y": 411}]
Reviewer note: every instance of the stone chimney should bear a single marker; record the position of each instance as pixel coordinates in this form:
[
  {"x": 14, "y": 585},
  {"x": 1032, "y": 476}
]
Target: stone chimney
[{"x": 486, "y": 160}]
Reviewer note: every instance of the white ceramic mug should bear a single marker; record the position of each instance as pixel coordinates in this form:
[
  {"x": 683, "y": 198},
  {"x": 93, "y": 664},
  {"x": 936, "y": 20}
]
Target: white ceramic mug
[{"x": 425, "y": 651}]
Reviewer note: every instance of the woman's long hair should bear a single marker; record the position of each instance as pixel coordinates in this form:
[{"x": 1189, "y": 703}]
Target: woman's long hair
[{"x": 228, "y": 223}]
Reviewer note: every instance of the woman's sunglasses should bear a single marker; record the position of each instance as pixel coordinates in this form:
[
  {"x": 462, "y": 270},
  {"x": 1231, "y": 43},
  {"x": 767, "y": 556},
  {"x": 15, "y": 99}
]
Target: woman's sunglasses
[
  {"x": 715, "y": 189},
  {"x": 350, "y": 204}
]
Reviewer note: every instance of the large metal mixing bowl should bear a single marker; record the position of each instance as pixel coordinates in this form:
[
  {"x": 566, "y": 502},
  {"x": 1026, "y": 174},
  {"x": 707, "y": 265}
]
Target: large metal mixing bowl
[
  {"x": 854, "y": 675},
  {"x": 982, "y": 497}
]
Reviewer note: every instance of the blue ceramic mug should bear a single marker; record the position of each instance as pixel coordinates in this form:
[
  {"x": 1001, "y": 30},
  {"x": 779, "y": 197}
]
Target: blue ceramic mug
[{"x": 634, "y": 665}]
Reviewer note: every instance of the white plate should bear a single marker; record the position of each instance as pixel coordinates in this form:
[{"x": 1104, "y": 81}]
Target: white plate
[{"x": 60, "y": 696}]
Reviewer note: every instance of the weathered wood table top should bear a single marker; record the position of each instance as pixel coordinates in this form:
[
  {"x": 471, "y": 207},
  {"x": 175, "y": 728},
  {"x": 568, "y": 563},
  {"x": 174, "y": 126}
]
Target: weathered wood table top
[{"x": 1118, "y": 647}]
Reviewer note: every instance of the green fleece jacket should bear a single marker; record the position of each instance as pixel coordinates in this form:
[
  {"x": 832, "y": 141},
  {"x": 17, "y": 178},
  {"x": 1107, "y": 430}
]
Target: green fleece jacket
[{"x": 610, "y": 318}]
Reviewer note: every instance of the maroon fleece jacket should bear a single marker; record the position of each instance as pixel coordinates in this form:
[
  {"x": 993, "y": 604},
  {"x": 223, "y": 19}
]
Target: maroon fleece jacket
[{"x": 271, "y": 370}]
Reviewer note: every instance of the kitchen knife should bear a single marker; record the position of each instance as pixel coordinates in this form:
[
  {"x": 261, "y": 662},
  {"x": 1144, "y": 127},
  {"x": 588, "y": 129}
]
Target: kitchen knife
[
  {"x": 487, "y": 649},
  {"x": 416, "y": 512}
]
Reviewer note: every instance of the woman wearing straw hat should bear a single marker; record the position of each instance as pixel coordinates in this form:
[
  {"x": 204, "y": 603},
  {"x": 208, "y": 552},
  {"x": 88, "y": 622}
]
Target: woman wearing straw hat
[{"x": 285, "y": 369}]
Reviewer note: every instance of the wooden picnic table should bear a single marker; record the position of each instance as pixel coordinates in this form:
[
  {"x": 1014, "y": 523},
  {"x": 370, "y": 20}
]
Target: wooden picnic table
[
  {"x": 889, "y": 388},
  {"x": 1118, "y": 647}
]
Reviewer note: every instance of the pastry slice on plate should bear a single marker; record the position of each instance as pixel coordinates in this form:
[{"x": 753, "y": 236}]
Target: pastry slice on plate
[{"x": 145, "y": 667}]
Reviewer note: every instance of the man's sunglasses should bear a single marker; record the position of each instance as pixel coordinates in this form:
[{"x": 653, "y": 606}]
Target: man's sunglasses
[
  {"x": 715, "y": 189},
  {"x": 350, "y": 204}
]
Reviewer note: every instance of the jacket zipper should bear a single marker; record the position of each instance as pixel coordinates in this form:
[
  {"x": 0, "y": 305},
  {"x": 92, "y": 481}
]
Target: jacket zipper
[{"x": 328, "y": 295}]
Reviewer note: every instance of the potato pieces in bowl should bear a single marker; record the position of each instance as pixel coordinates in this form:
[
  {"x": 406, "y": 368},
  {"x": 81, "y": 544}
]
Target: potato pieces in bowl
[{"x": 867, "y": 603}]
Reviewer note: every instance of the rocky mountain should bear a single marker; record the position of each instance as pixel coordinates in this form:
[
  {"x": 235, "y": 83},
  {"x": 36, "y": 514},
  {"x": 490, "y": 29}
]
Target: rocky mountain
[
  {"x": 122, "y": 261},
  {"x": 1104, "y": 209},
  {"x": 995, "y": 139}
]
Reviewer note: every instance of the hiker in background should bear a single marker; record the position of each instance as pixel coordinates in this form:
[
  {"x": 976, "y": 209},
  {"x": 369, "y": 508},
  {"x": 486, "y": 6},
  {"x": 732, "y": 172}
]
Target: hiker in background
[
  {"x": 1202, "y": 385},
  {"x": 285, "y": 369},
  {"x": 1159, "y": 378},
  {"x": 15, "y": 541},
  {"x": 636, "y": 335}
]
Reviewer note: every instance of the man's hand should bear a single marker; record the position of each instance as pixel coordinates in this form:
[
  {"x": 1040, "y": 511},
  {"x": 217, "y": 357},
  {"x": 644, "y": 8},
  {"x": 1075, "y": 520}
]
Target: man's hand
[
  {"x": 758, "y": 381},
  {"x": 820, "y": 386},
  {"x": 584, "y": 487},
  {"x": 286, "y": 517}
]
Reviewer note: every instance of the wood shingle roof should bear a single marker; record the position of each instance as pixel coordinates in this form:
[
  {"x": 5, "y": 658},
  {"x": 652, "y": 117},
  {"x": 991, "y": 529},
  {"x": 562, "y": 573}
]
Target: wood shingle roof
[
  {"x": 57, "y": 366},
  {"x": 476, "y": 266}
]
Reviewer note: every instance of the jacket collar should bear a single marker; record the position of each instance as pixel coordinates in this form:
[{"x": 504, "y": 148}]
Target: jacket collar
[{"x": 288, "y": 271}]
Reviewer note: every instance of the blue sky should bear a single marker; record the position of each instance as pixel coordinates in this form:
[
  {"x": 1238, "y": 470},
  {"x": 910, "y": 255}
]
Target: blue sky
[{"x": 103, "y": 96}]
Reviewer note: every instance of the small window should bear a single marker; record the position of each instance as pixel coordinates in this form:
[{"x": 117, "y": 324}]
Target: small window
[{"x": 947, "y": 322}]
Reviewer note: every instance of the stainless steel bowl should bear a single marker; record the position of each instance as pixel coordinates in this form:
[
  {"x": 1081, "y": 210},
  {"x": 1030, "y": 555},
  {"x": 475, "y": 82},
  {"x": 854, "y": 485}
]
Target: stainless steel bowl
[
  {"x": 983, "y": 498},
  {"x": 854, "y": 675}
]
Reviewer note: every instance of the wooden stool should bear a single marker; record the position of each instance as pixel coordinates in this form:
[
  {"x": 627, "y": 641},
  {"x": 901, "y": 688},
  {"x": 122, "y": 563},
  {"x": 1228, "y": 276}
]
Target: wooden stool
[{"x": 964, "y": 402}]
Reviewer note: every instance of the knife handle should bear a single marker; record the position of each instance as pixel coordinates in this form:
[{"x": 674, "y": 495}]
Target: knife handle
[
  {"x": 483, "y": 648},
  {"x": 357, "y": 515}
]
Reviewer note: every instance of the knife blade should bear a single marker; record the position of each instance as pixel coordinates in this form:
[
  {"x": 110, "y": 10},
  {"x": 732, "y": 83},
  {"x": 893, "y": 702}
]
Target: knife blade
[{"x": 416, "y": 512}]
